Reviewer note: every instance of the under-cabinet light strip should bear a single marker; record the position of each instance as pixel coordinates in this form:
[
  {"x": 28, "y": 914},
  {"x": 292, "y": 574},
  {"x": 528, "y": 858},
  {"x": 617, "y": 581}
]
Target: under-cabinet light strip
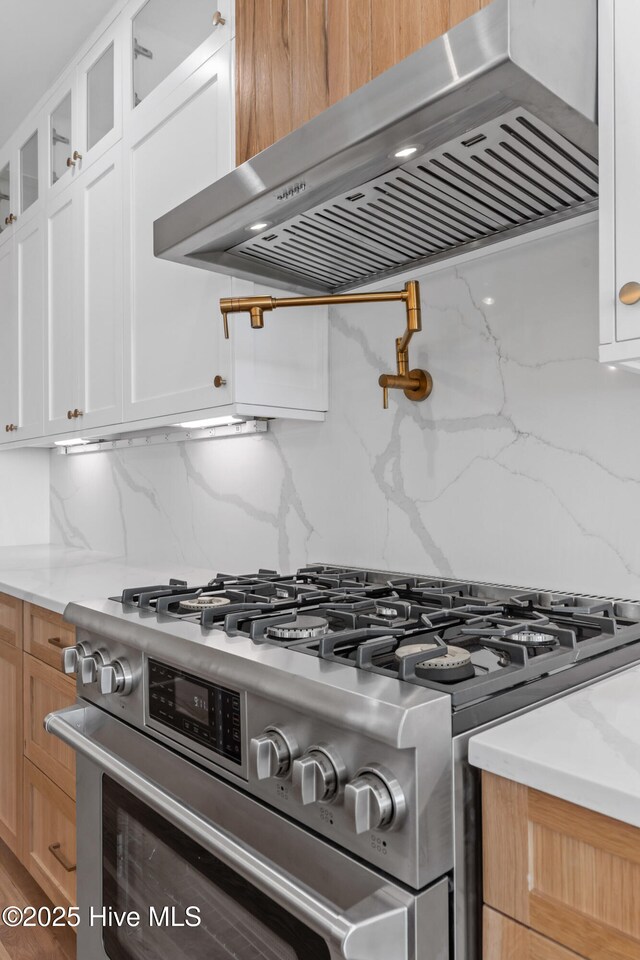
[{"x": 244, "y": 429}]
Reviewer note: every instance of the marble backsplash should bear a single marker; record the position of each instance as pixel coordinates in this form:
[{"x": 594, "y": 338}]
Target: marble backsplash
[{"x": 521, "y": 468}]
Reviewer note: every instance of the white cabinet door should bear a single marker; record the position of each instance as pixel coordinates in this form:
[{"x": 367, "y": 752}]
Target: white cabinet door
[
  {"x": 99, "y": 199},
  {"x": 30, "y": 303},
  {"x": 173, "y": 335},
  {"x": 619, "y": 92},
  {"x": 63, "y": 388},
  {"x": 8, "y": 346},
  {"x": 99, "y": 85}
]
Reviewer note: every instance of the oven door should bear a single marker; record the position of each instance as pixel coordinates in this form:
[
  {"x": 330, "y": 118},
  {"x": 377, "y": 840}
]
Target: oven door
[{"x": 212, "y": 873}]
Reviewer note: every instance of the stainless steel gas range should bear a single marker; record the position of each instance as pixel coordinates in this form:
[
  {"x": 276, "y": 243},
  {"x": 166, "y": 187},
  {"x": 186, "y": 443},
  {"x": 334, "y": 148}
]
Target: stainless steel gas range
[{"x": 276, "y": 766}]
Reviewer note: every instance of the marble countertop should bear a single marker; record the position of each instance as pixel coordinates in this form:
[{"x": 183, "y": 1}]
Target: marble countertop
[
  {"x": 51, "y": 576},
  {"x": 584, "y": 748}
]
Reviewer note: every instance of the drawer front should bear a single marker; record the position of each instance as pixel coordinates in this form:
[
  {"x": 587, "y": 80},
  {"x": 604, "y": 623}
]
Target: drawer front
[
  {"x": 46, "y": 690},
  {"x": 504, "y": 939},
  {"x": 11, "y": 620},
  {"x": 46, "y": 635},
  {"x": 49, "y": 836},
  {"x": 568, "y": 873}
]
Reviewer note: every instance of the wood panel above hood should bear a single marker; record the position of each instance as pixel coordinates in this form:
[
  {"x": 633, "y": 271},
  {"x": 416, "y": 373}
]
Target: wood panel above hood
[{"x": 295, "y": 58}]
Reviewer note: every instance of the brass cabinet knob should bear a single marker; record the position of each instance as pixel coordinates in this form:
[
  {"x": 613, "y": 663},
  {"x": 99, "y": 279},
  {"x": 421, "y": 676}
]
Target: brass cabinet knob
[
  {"x": 630, "y": 293},
  {"x": 219, "y": 381},
  {"x": 74, "y": 414},
  {"x": 71, "y": 162},
  {"x": 10, "y": 427},
  {"x": 218, "y": 19},
  {"x": 69, "y": 414},
  {"x": 76, "y": 155},
  {"x": 10, "y": 219}
]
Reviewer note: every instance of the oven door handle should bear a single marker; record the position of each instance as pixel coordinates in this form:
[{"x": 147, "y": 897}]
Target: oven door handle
[{"x": 374, "y": 929}]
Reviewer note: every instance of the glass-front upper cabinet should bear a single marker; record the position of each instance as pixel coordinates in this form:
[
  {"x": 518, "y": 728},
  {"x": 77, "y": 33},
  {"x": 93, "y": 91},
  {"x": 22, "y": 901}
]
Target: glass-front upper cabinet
[
  {"x": 85, "y": 117},
  {"x": 165, "y": 33},
  {"x": 60, "y": 138},
  {"x": 29, "y": 168},
  {"x": 5, "y": 197},
  {"x": 100, "y": 98}
]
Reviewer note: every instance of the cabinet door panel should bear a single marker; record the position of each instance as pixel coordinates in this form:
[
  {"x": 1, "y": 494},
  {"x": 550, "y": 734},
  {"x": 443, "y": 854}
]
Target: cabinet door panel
[
  {"x": 11, "y": 745},
  {"x": 50, "y": 837},
  {"x": 46, "y": 690},
  {"x": 8, "y": 342},
  {"x": 568, "y": 873},
  {"x": 30, "y": 320},
  {"x": 62, "y": 340},
  {"x": 101, "y": 253},
  {"x": 174, "y": 347}
]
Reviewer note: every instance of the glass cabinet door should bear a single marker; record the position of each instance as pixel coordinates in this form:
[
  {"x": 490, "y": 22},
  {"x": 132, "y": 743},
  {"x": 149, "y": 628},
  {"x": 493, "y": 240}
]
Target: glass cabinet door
[
  {"x": 60, "y": 139},
  {"x": 29, "y": 172},
  {"x": 164, "y": 34},
  {"x": 5, "y": 196},
  {"x": 100, "y": 99}
]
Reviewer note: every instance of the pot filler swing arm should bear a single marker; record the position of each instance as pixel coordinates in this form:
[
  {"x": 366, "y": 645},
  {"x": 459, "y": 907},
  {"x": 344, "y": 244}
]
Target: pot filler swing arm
[{"x": 416, "y": 384}]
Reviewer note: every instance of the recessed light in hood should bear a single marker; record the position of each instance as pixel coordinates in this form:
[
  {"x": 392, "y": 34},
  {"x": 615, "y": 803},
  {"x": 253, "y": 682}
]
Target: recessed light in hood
[{"x": 502, "y": 113}]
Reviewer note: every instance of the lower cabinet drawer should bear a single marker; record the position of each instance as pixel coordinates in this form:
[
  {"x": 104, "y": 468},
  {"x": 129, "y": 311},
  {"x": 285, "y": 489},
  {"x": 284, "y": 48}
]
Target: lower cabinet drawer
[
  {"x": 504, "y": 939},
  {"x": 45, "y": 690},
  {"x": 49, "y": 836},
  {"x": 46, "y": 634}
]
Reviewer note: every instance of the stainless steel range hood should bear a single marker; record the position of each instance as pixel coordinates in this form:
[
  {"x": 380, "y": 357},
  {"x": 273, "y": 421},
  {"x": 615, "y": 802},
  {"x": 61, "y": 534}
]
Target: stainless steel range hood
[{"x": 502, "y": 110}]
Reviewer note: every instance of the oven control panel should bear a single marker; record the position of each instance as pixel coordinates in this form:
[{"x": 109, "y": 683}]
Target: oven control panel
[{"x": 202, "y": 712}]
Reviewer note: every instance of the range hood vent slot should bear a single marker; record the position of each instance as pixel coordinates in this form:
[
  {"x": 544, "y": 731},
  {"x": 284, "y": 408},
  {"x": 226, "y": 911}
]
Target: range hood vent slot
[{"x": 508, "y": 174}]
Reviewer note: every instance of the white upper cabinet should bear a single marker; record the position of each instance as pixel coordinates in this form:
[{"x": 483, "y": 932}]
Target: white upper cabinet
[
  {"x": 96, "y": 333},
  {"x": 173, "y": 343},
  {"x": 84, "y": 115},
  {"x": 620, "y": 184},
  {"x": 21, "y": 333},
  {"x": 84, "y": 330},
  {"x": 8, "y": 345},
  {"x": 168, "y": 42},
  {"x": 7, "y": 203}
]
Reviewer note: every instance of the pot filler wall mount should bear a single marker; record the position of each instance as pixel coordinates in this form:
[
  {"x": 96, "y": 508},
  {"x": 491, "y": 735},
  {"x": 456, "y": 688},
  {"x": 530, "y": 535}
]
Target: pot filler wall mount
[{"x": 417, "y": 384}]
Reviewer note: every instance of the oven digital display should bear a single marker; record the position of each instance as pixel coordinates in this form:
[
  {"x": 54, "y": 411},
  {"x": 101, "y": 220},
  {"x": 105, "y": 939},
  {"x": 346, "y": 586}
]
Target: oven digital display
[
  {"x": 202, "y": 712},
  {"x": 191, "y": 699}
]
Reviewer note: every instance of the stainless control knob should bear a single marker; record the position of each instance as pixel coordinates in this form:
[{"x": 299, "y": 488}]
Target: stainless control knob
[
  {"x": 374, "y": 800},
  {"x": 71, "y": 657},
  {"x": 88, "y": 670},
  {"x": 317, "y": 775},
  {"x": 272, "y": 753},
  {"x": 88, "y": 667},
  {"x": 115, "y": 677}
]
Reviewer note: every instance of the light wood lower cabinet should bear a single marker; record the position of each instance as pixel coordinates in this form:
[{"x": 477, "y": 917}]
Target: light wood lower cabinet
[
  {"x": 46, "y": 635},
  {"x": 49, "y": 836},
  {"x": 504, "y": 939},
  {"x": 46, "y": 690},
  {"x": 37, "y": 771},
  {"x": 569, "y": 874},
  {"x": 11, "y": 745}
]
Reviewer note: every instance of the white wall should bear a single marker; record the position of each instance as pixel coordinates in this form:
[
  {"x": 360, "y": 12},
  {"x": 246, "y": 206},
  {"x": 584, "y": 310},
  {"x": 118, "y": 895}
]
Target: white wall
[
  {"x": 24, "y": 497},
  {"x": 523, "y": 467}
]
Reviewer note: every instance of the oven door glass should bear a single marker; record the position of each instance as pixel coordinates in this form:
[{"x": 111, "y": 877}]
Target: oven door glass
[{"x": 149, "y": 866}]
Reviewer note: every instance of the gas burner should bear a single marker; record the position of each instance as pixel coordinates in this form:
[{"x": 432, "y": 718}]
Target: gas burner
[
  {"x": 532, "y": 638},
  {"x": 202, "y": 603},
  {"x": 389, "y": 613},
  {"x": 451, "y": 664},
  {"x": 298, "y": 628}
]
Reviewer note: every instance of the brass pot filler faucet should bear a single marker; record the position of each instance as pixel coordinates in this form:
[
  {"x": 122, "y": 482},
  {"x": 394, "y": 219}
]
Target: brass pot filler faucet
[{"x": 417, "y": 384}]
